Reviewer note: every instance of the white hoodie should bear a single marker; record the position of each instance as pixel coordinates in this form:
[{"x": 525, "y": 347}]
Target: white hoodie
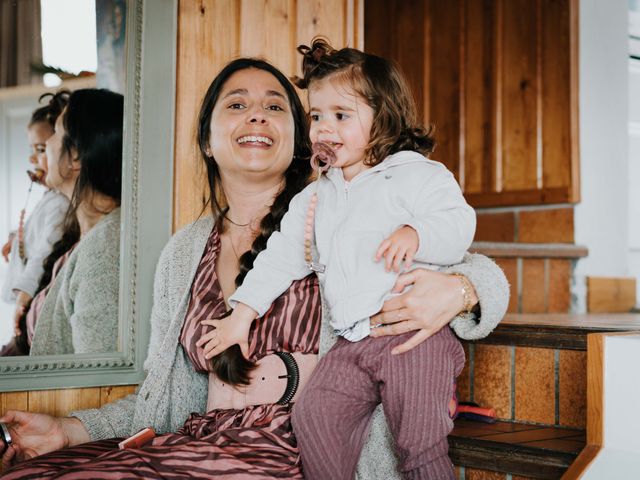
[
  {"x": 42, "y": 229},
  {"x": 351, "y": 221}
]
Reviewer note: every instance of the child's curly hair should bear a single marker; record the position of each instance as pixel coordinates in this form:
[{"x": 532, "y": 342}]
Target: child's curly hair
[
  {"x": 48, "y": 113},
  {"x": 381, "y": 84}
]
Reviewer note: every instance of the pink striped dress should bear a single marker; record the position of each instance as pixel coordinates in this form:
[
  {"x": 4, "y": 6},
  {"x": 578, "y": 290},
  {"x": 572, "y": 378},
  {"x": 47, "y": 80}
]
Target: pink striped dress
[
  {"x": 38, "y": 301},
  {"x": 254, "y": 443},
  {"x": 11, "y": 348}
]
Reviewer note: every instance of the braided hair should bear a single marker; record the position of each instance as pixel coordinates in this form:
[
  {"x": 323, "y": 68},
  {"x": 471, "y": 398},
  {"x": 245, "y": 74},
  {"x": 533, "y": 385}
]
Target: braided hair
[
  {"x": 231, "y": 366},
  {"x": 382, "y": 85}
]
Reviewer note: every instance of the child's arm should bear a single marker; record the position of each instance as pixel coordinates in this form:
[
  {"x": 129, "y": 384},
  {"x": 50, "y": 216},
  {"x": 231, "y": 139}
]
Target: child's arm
[
  {"x": 280, "y": 263},
  {"x": 443, "y": 220},
  {"x": 274, "y": 269}
]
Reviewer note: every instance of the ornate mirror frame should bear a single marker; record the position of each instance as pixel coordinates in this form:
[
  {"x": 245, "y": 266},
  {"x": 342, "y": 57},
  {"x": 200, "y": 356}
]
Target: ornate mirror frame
[{"x": 147, "y": 199}]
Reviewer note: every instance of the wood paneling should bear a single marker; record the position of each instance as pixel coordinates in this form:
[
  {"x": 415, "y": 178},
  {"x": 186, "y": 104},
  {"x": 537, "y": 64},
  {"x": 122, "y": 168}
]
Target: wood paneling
[
  {"x": 268, "y": 33},
  {"x": 446, "y": 81},
  {"x": 405, "y": 45},
  {"x": 500, "y": 85},
  {"x": 479, "y": 95},
  {"x": 213, "y": 32},
  {"x": 556, "y": 93},
  {"x": 610, "y": 295},
  {"x": 13, "y": 401},
  {"x": 595, "y": 392},
  {"x": 62, "y": 402},
  {"x": 519, "y": 93},
  {"x": 208, "y": 37},
  {"x": 111, "y": 394}
]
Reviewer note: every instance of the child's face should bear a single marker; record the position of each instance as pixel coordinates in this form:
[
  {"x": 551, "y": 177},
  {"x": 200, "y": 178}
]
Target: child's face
[
  {"x": 38, "y": 133},
  {"x": 343, "y": 119},
  {"x": 60, "y": 175}
]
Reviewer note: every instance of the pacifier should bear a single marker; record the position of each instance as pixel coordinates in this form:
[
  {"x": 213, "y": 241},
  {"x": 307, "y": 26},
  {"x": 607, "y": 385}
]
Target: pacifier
[{"x": 323, "y": 156}]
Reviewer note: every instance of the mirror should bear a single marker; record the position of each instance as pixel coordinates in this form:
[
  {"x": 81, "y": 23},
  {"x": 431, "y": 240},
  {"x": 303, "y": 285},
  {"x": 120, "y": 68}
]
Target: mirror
[
  {"x": 83, "y": 43},
  {"x": 146, "y": 187}
]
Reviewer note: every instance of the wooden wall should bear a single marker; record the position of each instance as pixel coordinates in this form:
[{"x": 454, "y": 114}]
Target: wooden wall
[
  {"x": 213, "y": 32},
  {"x": 62, "y": 402},
  {"x": 499, "y": 80}
]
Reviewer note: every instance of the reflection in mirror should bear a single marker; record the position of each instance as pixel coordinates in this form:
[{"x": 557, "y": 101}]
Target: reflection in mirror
[{"x": 60, "y": 222}]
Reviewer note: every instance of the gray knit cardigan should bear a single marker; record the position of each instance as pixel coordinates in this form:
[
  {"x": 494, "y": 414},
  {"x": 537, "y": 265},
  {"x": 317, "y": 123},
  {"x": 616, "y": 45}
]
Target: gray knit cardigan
[
  {"x": 80, "y": 311},
  {"x": 173, "y": 389}
]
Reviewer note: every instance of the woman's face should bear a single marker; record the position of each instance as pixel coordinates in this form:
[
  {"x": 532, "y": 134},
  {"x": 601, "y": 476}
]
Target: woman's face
[
  {"x": 38, "y": 133},
  {"x": 61, "y": 174},
  {"x": 252, "y": 129}
]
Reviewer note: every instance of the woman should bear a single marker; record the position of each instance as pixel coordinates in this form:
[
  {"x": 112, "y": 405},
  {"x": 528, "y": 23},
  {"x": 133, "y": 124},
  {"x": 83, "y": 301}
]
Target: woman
[
  {"x": 26, "y": 250},
  {"x": 252, "y": 136},
  {"x": 77, "y": 311}
]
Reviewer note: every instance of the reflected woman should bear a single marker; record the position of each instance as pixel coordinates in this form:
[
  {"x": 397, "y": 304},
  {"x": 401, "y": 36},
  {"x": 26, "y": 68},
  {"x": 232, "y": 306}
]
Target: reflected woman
[
  {"x": 77, "y": 312},
  {"x": 26, "y": 250}
]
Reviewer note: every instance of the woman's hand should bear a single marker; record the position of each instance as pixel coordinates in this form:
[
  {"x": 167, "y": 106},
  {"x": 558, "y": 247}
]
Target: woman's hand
[
  {"x": 34, "y": 434},
  {"x": 23, "y": 300},
  {"x": 435, "y": 299}
]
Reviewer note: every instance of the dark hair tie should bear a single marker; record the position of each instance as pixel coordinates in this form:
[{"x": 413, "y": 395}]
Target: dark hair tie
[
  {"x": 318, "y": 53},
  {"x": 303, "y": 49}
]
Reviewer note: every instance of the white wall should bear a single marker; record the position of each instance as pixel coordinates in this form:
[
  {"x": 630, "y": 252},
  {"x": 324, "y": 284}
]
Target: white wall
[
  {"x": 601, "y": 218},
  {"x": 634, "y": 172},
  {"x": 620, "y": 457}
]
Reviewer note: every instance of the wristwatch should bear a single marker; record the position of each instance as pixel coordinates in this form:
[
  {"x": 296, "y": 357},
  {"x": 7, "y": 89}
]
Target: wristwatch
[{"x": 5, "y": 436}]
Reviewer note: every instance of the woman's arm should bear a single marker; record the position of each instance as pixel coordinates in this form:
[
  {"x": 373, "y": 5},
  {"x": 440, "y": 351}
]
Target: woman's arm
[
  {"x": 115, "y": 419},
  {"x": 436, "y": 300},
  {"x": 492, "y": 289}
]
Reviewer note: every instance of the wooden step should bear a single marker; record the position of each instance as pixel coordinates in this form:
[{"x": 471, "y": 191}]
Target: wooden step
[
  {"x": 539, "y": 274},
  {"x": 534, "y": 451},
  {"x": 529, "y": 250},
  {"x": 533, "y": 368},
  {"x": 558, "y": 331}
]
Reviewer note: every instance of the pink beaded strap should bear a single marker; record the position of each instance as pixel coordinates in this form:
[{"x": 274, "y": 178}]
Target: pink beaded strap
[
  {"x": 35, "y": 177},
  {"x": 323, "y": 157}
]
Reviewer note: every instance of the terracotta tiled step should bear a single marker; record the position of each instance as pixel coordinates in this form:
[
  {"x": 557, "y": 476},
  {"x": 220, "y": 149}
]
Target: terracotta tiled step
[
  {"x": 533, "y": 451},
  {"x": 559, "y": 331},
  {"x": 528, "y": 224},
  {"x": 533, "y": 368},
  {"x": 539, "y": 274}
]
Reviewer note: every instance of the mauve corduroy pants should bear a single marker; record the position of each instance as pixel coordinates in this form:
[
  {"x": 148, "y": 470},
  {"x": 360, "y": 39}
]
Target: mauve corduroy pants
[{"x": 332, "y": 416}]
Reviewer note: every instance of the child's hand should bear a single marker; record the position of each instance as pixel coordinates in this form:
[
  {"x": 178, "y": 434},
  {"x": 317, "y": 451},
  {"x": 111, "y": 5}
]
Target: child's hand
[
  {"x": 401, "y": 244},
  {"x": 228, "y": 331},
  {"x": 6, "y": 248}
]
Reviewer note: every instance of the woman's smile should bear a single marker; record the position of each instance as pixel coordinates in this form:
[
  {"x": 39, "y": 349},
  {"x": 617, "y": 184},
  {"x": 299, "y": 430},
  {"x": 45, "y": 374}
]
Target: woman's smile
[{"x": 260, "y": 141}]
